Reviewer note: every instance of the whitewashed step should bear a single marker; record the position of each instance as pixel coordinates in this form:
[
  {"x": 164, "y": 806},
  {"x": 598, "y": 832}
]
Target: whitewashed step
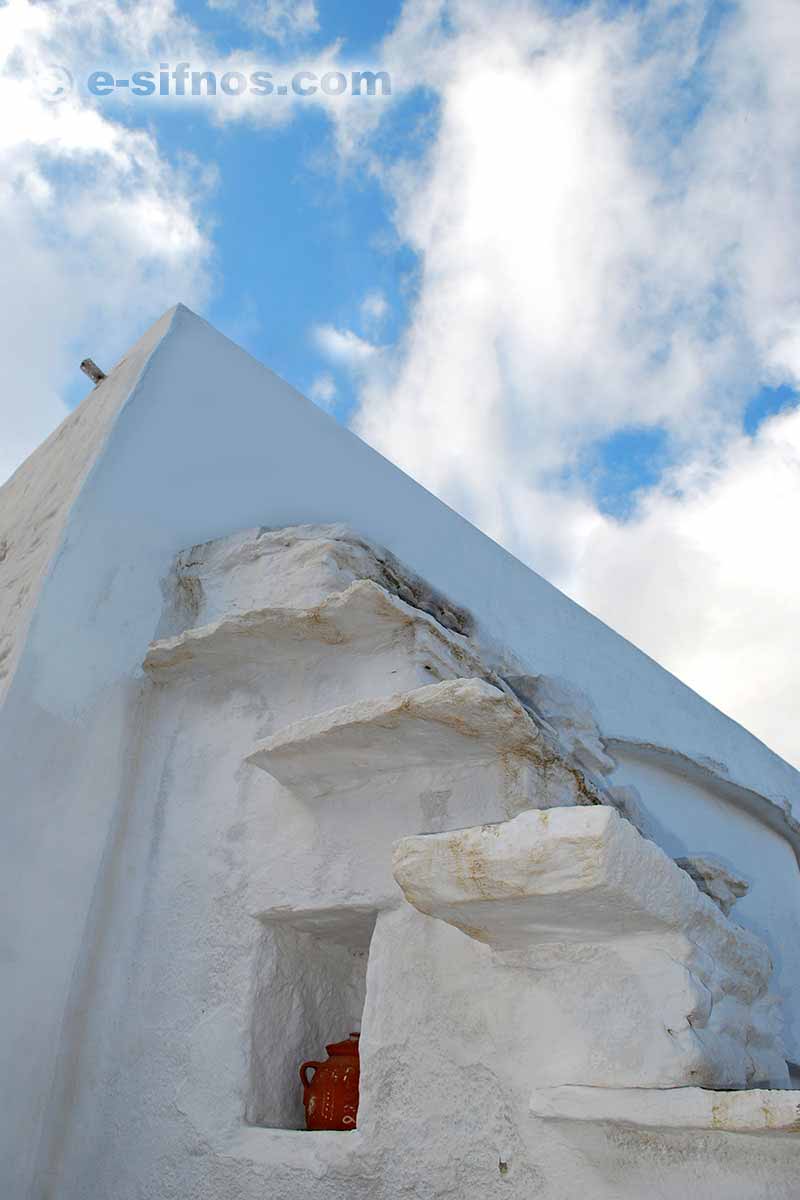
[
  {"x": 749, "y": 1111},
  {"x": 581, "y": 875},
  {"x": 655, "y": 985},
  {"x": 456, "y": 725},
  {"x": 364, "y": 617}
]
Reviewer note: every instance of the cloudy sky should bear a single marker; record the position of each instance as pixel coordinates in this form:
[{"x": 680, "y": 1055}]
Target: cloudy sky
[{"x": 555, "y": 275}]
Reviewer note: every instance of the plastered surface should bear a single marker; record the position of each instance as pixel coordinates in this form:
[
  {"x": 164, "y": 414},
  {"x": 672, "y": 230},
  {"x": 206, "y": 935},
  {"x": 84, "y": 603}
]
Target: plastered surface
[{"x": 143, "y": 852}]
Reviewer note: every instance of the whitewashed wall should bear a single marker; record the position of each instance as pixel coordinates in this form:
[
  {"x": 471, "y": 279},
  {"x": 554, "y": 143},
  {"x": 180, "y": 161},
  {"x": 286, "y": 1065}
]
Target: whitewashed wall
[{"x": 207, "y": 442}]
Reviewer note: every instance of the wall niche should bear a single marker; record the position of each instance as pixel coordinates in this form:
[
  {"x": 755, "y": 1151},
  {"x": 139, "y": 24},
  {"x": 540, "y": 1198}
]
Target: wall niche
[{"x": 309, "y": 988}]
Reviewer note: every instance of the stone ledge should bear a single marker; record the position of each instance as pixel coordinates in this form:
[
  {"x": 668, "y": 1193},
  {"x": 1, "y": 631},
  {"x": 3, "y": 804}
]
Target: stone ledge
[
  {"x": 347, "y": 924},
  {"x": 565, "y": 885},
  {"x": 460, "y": 723},
  {"x": 313, "y": 1152},
  {"x": 295, "y": 565},
  {"x": 565, "y": 874},
  {"x": 756, "y": 1111},
  {"x": 360, "y": 615}
]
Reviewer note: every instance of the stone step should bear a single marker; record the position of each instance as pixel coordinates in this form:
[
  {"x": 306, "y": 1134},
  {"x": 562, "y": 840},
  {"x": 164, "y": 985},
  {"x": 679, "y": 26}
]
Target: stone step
[
  {"x": 755, "y": 1110},
  {"x": 453, "y": 726},
  {"x": 363, "y": 618}
]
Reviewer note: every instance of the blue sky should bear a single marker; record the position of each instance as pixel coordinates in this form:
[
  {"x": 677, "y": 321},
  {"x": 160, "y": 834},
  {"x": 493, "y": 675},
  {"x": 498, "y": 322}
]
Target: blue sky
[{"x": 297, "y": 240}]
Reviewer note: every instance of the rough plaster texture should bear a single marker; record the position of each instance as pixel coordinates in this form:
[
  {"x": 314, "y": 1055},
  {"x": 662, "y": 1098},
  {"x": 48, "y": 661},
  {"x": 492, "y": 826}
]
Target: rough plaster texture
[{"x": 147, "y": 861}]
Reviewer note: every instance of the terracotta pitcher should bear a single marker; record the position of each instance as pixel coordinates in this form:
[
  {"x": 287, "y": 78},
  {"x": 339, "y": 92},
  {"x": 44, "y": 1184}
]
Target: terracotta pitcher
[{"x": 331, "y": 1097}]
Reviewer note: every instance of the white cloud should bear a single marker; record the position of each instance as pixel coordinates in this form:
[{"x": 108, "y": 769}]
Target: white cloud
[
  {"x": 344, "y": 346},
  {"x": 374, "y": 309},
  {"x": 706, "y": 579},
  {"x": 591, "y": 258},
  {"x": 99, "y": 231},
  {"x": 323, "y": 391},
  {"x": 277, "y": 19}
]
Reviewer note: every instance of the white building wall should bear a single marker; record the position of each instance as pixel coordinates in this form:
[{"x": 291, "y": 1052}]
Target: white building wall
[{"x": 207, "y": 442}]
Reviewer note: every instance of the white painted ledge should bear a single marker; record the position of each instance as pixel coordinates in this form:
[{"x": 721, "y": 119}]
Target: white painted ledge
[
  {"x": 313, "y": 1152},
  {"x": 362, "y": 615},
  {"x": 564, "y": 874},
  {"x": 698, "y": 1008},
  {"x": 755, "y": 1111},
  {"x": 348, "y": 924},
  {"x": 298, "y": 567},
  {"x": 458, "y": 723}
]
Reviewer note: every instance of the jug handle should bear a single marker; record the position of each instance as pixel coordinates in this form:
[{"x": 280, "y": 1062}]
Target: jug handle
[{"x": 303, "y": 1070}]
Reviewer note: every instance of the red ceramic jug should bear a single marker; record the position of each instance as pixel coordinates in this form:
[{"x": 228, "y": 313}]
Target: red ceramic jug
[{"x": 331, "y": 1097}]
